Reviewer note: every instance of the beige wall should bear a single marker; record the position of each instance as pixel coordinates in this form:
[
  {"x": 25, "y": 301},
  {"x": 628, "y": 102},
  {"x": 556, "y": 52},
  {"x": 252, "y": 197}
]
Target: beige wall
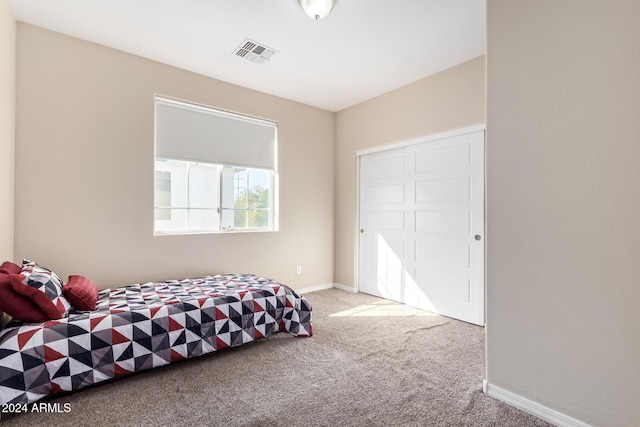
[
  {"x": 84, "y": 162},
  {"x": 7, "y": 127},
  {"x": 563, "y": 196},
  {"x": 450, "y": 100}
]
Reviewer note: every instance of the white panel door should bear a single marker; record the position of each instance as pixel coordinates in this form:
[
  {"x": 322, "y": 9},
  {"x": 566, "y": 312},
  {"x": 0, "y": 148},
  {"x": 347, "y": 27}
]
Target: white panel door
[
  {"x": 383, "y": 218},
  {"x": 422, "y": 225}
]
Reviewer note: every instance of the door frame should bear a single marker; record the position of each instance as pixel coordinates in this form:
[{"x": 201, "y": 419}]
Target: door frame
[{"x": 414, "y": 141}]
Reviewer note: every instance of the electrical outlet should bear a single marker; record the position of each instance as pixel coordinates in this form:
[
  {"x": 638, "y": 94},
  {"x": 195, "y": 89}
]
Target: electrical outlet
[{"x": 299, "y": 269}]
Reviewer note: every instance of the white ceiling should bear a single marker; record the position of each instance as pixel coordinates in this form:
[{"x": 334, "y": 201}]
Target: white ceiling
[{"x": 364, "y": 48}]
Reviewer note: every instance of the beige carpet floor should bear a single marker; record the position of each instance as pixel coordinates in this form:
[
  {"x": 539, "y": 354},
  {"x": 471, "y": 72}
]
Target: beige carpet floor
[{"x": 371, "y": 362}]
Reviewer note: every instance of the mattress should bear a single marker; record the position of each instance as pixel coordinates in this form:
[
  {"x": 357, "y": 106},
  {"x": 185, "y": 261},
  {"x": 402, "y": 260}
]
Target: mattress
[{"x": 143, "y": 326}]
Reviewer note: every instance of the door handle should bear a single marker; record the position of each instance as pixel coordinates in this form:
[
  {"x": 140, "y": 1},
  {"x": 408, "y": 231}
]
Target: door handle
[
  {"x": 478, "y": 237},
  {"x": 362, "y": 231}
]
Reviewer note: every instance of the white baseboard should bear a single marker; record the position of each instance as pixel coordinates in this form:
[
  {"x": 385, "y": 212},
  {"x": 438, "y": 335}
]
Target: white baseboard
[
  {"x": 531, "y": 407},
  {"x": 326, "y": 286},
  {"x": 314, "y": 288},
  {"x": 345, "y": 288}
]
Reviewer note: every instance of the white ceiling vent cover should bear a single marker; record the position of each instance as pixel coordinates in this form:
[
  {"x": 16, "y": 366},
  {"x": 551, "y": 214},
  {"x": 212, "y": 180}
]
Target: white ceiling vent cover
[{"x": 254, "y": 51}]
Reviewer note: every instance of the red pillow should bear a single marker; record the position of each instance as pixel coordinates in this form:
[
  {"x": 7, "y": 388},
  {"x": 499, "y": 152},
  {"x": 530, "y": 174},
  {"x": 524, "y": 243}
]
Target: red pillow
[
  {"x": 81, "y": 292},
  {"x": 10, "y": 268},
  {"x": 18, "y": 306}
]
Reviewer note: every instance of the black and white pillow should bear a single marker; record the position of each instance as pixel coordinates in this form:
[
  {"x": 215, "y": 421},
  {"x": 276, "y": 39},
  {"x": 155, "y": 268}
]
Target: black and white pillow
[{"x": 43, "y": 287}]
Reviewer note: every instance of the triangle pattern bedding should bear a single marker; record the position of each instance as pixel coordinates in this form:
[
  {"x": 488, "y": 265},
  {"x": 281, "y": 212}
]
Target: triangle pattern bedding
[{"x": 144, "y": 326}]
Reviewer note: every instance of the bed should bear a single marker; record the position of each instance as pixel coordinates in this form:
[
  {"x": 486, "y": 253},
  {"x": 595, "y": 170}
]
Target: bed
[{"x": 143, "y": 326}]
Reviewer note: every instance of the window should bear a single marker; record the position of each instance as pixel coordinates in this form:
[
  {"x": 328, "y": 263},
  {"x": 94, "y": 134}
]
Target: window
[
  {"x": 246, "y": 198},
  {"x": 214, "y": 171}
]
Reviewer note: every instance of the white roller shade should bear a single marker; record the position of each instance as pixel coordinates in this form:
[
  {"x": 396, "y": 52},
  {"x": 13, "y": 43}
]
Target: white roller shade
[{"x": 195, "y": 133}]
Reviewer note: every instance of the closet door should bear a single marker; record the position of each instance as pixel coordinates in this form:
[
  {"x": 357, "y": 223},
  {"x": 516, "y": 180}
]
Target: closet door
[
  {"x": 422, "y": 225},
  {"x": 383, "y": 223},
  {"x": 446, "y": 248}
]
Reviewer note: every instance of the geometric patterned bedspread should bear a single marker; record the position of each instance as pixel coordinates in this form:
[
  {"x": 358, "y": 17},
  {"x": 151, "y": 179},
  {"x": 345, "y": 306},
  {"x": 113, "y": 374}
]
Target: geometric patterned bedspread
[{"x": 144, "y": 326}]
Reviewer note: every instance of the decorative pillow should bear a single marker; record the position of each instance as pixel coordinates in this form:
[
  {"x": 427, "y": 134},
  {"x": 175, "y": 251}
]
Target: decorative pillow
[
  {"x": 18, "y": 306},
  {"x": 81, "y": 292},
  {"x": 43, "y": 287},
  {"x": 8, "y": 267}
]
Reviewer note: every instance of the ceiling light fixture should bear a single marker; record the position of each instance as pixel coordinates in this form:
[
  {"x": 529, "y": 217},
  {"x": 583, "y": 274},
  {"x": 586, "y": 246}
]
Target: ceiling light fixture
[{"x": 317, "y": 9}]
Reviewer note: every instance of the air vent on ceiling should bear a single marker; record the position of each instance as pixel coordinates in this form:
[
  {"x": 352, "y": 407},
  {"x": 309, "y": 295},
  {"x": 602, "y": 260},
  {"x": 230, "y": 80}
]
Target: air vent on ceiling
[{"x": 254, "y": 51}]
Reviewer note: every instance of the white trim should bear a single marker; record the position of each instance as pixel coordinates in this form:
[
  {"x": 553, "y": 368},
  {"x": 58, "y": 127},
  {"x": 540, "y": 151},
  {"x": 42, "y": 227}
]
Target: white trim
[
  {"x": 426, "y": 138},
  {"x": 315, "y": 288},
  {"x": 327, "y": 286},
  {"x": 345, "y": 288},
  {"x": 167, "y": 100},
  {"x": 531, "y": 407},
  {"x": 356, "y": 234}
]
